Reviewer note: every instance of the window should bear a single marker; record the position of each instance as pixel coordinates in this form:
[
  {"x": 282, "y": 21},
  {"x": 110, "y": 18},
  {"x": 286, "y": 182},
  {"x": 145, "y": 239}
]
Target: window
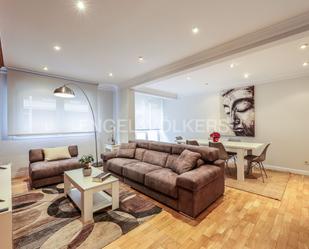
[
  {"x": 34, "y": 110},
  {"x": 148, "y": 117}
]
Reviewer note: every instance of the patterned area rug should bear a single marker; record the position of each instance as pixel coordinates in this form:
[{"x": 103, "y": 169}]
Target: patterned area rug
[
  {"x": 46, "y": 219},
  {"x": 273, "y": 186}
]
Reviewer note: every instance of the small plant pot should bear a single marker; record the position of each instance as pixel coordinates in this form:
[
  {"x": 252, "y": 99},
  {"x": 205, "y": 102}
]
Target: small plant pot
[{"x": 87, "y": 171}]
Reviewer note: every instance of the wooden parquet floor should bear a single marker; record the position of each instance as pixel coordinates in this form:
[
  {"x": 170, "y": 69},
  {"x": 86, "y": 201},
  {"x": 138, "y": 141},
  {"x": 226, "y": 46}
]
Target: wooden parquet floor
[{"x": 238, "y": 220}]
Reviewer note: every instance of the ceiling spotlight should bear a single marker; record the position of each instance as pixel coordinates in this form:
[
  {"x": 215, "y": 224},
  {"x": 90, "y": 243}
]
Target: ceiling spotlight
[
  {"x": 110, "y": 75},
  {"x": 246, "y": 75},
  {"x": 188, "y": 78},
  {"x": 80, "y": 5},
  {"x": 45, "y": 68},
  {"x": 305, "y": 64},
  {"x": 233, "y": 65},
  {"x": 140, "y": 59},
  {"x": 304, "y": 46},
  {"x": 195, "y": 30},
  {"x": 57, "y": 48}
]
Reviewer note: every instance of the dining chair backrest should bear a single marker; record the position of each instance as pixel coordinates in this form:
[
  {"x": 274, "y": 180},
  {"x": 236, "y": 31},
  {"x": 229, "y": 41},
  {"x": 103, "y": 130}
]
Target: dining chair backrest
[
  {"x": 222, "y": 152},
  {"x": 192, "y": 142},
  {"x": 262, "y": 157}
]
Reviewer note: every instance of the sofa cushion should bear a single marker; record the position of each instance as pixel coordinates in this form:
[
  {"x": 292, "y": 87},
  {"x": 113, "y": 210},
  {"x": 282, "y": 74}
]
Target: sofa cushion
[
  {"x": 139, "y": 153},
  {"x": 196, "y": 179},
  {"x": 160, "y": 146},
  {"x": 208, "y": 154},
  {"x": 141, "y": 143},
  {"x": 126, "y": 150},
  {"x": 44, "y": 169},
  {"x": 155, "y": 157},
  {"x": 185, "y": 162},
  {"x": 137, "y": 171},
  {"x": 57, "y": 153},
  {"x": 163, "y": 181},
  {"x": 171, "y": 160},
  {"x": 116, "y": 164}
]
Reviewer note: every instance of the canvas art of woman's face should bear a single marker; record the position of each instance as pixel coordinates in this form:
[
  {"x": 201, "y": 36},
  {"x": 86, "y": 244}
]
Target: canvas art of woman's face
[{"x": 238, "y": 106}]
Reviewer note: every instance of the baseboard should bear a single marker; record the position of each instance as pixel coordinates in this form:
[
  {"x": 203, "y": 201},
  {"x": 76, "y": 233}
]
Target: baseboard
[{"x": 284, "y": 169}]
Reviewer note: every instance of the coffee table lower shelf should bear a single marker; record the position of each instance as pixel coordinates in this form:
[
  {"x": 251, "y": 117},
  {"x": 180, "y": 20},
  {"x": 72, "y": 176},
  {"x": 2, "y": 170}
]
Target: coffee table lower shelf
[{"x": 100, "y": 199}]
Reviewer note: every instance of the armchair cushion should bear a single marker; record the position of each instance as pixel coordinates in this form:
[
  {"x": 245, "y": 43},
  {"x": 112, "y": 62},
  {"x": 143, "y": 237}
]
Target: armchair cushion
[
  {"x": 44, "y": 169},
  {"x": 196, "y": 179},
  {"x": 57, "y": 153},
  {"x": 126, "y": 150},
  {"x": 185, "y": 162}
]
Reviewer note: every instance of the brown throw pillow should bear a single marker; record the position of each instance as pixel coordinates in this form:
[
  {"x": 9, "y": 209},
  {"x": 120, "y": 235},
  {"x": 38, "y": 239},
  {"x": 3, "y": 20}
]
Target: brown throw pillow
[
  {"x": 126, "y": 150},
  {"x": 185, "y": 162}
]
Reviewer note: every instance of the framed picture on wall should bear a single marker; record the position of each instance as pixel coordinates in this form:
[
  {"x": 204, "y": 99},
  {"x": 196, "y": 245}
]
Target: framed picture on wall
[{"x": 238, "y": 110}]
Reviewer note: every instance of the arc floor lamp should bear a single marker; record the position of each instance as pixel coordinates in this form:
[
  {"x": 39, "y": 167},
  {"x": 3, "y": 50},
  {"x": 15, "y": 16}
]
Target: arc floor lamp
[{"x": 66, "y": 92}]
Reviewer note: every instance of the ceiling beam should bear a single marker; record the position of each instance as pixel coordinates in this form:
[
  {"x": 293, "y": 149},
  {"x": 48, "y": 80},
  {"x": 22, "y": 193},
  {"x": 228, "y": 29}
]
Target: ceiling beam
[
  {"x": 155, "y": 92},
  {"x": 1, "y": 56},
  {"x": 238, "y": 46}
]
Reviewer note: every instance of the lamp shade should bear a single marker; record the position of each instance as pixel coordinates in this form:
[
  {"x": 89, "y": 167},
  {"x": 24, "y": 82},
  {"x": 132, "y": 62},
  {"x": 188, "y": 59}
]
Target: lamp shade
[{"x": 64, "y": 92}]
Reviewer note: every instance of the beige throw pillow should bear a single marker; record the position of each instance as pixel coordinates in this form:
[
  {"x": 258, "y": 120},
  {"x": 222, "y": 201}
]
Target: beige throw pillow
[
  {"x": 186, "y": 161},
  {"x": 126, "y": 150},
  {"x": 57, "y": 153}
]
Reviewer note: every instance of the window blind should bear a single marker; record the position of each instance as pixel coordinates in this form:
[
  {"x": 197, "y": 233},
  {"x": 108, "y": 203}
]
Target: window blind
[
  {"x": 148, "y": 112},
  {"x": 34, "y": 110}
]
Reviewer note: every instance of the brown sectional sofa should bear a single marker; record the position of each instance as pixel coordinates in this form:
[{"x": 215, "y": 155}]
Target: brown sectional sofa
[
  {"x": 149, "y": 172},
  {"x": 43, "y": 173}
]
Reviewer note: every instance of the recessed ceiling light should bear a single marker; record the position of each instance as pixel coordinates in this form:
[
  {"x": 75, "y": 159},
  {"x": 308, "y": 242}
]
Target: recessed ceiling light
[
  {"x": 232, "y": 65},
  {"x": 45, "y": 68},
  {"x": 57, "y": 48},
  {"x": 110, "y": 75},
  {"x": 305, "y": 64},
  {"x": 304, "y": 46},
  {"x": 195, "y": 30},
  {"x": 246, "y": 75},
  {"x": 188, "y": 78},
  {"x": 141, "y": 59},
  {"x": 80, "y": 5}
]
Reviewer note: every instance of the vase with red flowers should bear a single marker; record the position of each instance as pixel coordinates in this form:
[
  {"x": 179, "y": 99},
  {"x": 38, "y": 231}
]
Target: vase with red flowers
[{"x": 215, "y": 136}]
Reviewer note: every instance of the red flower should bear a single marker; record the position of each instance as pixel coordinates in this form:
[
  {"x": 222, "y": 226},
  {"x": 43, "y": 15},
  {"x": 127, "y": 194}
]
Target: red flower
[{"x": 215, "y": 136}]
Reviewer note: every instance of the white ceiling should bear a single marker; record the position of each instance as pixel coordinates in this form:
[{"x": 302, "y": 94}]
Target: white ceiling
[
  {"x": 111, "y": 34},
  {"x": 275, "y": 63}
]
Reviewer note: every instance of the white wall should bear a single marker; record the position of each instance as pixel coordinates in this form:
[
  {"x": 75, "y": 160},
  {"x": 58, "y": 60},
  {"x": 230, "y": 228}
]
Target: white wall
[
  {"x": 282, "y": 118},
  {"x": 16, "y": 151}
]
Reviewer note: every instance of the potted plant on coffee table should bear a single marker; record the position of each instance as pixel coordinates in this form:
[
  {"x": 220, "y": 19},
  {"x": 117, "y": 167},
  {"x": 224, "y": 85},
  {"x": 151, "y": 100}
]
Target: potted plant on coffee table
[{"x": 86, "y": 161}]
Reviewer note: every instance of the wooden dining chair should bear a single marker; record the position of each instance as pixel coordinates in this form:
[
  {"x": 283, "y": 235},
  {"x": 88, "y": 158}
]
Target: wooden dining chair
[
  {"x": 192, "y": 142},
  {"x": 257, "y": 161},
  {"x": 224, "y": 155}
]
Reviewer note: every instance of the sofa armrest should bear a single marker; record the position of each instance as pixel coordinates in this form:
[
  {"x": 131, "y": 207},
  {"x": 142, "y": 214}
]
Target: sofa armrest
[
  {"x": 220, "y": 163},
  {"x": 196, "y": 179},
  {"x": 108, "y": 155}
]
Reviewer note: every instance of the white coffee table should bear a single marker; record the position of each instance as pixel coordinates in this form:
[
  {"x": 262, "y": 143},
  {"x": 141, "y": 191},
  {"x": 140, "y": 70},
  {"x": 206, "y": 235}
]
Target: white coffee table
[{"x": 88, "y": 195}]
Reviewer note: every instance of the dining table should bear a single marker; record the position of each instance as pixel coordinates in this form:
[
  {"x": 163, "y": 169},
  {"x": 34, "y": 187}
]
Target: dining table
[{"x": 241, "y": 148}]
